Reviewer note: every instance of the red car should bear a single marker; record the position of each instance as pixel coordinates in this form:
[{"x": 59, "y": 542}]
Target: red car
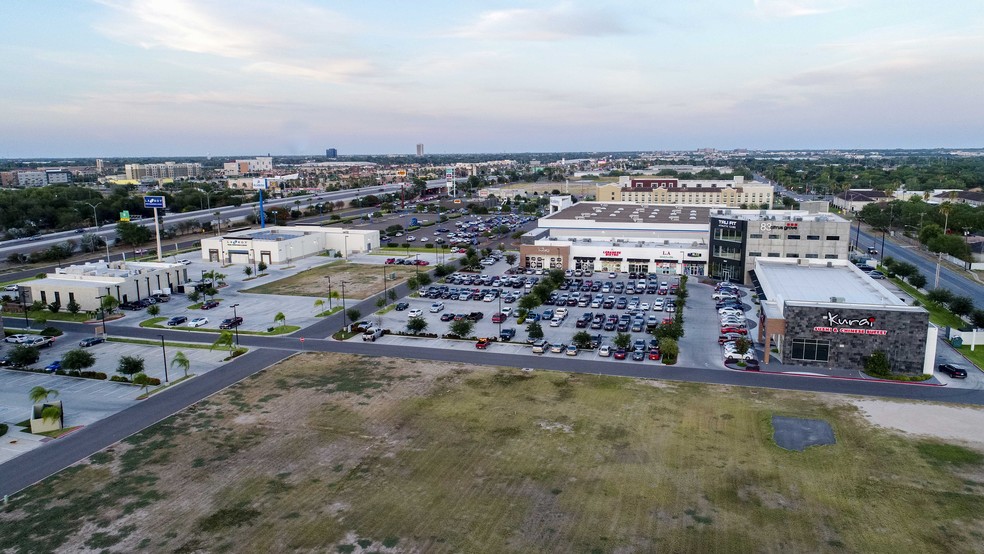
[
  {"x": 482, "y": 344},
  {"x": 498, "y": 318},
  {"x": 739, "y": 330},
  {"x": 210, "y": 304},
  {"x": 654, "y": 354},
  {"x": 423, "y": 262},
  {"x": 620, "y": 354},
  {"x": 390, "y": 260}
]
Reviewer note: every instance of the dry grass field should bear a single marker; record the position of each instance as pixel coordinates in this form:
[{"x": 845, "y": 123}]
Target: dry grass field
[
  {"x": 335, "y": 453},
  {"x": 361, "y": 280}
]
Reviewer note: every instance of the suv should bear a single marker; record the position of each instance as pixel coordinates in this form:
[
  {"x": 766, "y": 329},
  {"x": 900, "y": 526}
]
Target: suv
[
  {"x": 231, "y": 323},
  {"x": 540, "y": 346}
]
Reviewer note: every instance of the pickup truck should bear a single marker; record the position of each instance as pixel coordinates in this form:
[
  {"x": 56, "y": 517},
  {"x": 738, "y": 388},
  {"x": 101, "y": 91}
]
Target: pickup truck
[
  {"x": 507, "y": 334},
  {"x": 39, "y": 342},
  {"x": 371, "y": 334}
]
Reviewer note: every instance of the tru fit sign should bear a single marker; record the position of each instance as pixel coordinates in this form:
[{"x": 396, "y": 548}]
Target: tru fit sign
[{"x": 847, "y": 326}]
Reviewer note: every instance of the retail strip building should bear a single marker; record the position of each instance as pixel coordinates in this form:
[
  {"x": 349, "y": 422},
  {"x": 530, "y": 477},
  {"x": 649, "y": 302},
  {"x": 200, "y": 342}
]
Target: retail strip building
[{"x": 828, "y": 313}]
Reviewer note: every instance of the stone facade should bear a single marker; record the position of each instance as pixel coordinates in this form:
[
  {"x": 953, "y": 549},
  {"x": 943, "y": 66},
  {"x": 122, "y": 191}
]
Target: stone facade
[{"x": 903, "y": 341}]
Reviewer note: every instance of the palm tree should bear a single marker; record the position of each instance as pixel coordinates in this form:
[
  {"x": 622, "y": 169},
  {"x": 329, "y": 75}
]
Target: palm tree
[
  {"x": 225, "y": 339},
  {"x": 280, "y": 318},
  {"x": 40, "y": 395},
  {"x": 319, "y": 306},
  {"x": 142, "y": 380},
  {"x": 182, "y": 362}
]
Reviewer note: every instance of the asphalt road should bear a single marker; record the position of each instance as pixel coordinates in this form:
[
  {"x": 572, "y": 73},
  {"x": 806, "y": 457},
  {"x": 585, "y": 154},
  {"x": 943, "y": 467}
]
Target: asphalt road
[{"x": 949, "y": 279}]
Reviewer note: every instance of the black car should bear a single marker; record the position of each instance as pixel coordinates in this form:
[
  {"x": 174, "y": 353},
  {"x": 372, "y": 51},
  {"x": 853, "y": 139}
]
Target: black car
[
  {"x": 953, "y": 371},
  {"x": 231, "y": 323},
  {"x": 507, "y": 334},
  {"x": 176, "y": 320},
  {"x": 91, "y": 341},
  {"x": 400, "y": 306}
]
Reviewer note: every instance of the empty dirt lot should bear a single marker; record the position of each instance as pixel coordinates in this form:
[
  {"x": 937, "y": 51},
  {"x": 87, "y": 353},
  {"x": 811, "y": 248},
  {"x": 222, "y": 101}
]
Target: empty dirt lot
[{"x": 335, "y": 453}]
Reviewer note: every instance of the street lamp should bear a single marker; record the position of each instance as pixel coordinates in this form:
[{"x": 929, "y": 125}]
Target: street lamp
[
  {"x": 102, "y": 310},
  {"x": 235, "y": 319},
  {"x": 27, "y": 323},
  {"x": 95, "y": 217},
  {"x": 163, "y": 349},
  {"x": 343, "y": 307}
]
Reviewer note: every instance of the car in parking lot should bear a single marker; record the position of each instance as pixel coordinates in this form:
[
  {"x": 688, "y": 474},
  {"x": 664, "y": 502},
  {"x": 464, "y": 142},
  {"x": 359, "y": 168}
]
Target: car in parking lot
[
  {"x": 498, "y": 317},
  {"x": 38, "y": 342},
  {"x": 507, "y": 334},
  {"x": 572, "y": 350},
  {"x": 198, "y": 322},
  {"x": 733, "y": 329},
  {"x": 176, "y": 320},
  {"x": 231, "y": 323},
  {"x": 558, "y": 347},
  {"x": 604, "y": 351},
  {"x": 953, "y": 371},
  {"x": 482, "y": 344},
  {"x": 728, "y": 337},
  {"x": 209, "y": 304},
  {"x": 620, "y": 354},
  {"x": 654, "y": 353},
  {"x": 17, "y": 339},
  {"x": 638, "y": 355},
  {"x": 53, "y": 366},
  {"x": 437, "y": 307},
  {"x": 91, "y": 341},
  {"x": 416, "y": 312},
  {"x": 540, "y": 346},
  {"x": 400, "y": 306}
]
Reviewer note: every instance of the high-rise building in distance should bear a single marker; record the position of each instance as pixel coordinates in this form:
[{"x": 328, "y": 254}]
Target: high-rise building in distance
[
  {"x": 331, "y": 153},
  {"x": 420, "y": 149}
]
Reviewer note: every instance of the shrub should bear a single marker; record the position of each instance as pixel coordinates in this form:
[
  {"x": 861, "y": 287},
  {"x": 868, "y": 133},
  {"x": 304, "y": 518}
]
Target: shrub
[
  {"x": 54, "y": 307},
  {"x": 119, "y": 379},
  {"x": 51, "y": 332},
  {"x": 153, "y": 381},
  {"x": 429, "y": 245},
  {"x": 877, "y": 363}
]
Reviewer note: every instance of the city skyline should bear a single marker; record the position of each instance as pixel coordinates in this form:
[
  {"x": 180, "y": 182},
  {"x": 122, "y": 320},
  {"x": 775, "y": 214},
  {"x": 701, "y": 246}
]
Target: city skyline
[{"x": 155, "y": 78}]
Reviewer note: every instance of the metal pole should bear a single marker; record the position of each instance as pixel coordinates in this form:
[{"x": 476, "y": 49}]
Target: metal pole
[
  {"x": 27, "y": 322},
  {"x": 343, "y": 307},
  {"x": 235, "y": 318},
  {"x": 157, "y": 229},
  {"x": 384, "y": 282},
  {"x": 163, "y": 349},
  {"x": 329, "y": 293}
]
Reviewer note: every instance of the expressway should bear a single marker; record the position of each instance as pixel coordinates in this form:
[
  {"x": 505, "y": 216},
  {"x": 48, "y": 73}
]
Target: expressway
[{"x": 949, "y": 279}]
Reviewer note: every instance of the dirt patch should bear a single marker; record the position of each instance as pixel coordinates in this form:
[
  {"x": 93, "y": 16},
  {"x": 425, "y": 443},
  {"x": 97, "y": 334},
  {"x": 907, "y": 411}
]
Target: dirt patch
[
  {"x": 361, "y": 280},
  {"x": 948, "y": 422}
]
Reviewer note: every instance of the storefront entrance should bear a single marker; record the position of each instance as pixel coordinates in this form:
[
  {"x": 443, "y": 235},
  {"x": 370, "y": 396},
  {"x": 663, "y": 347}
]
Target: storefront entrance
[
  {"x": 638, "y": 266},
  {"x": 691, "y": 268},
  {"x": 611, "y": 264},
  {"x": 584, "y": 264}
]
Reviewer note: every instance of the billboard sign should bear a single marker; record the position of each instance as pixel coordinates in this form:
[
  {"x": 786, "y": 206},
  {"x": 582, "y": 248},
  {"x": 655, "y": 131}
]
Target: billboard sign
[
  {"x": 259, "y": 184},
  {"x": 154, "y": 202}
]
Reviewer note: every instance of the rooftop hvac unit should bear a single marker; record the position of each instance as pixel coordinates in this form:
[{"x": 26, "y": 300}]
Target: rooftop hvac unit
[
  {"x": 666, "y": 241},
  {"x": 837, "y": 299},
  {"x": 797, "y": 218},
  {"x": 586, "y": 240}
]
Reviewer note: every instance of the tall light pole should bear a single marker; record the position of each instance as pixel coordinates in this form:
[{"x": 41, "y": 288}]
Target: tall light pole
[
  {"x": 945, "y": 208},
  {"x": 384, "y": 282},
  {"x": 95, "y": 216},
  {"x": 102, "y": 310},
  {"x": 27, "y": 322},
  {"x": 164, "y": 349},
  {"x": 343, "y": 307},
  {"x": 235, "y": 318}
]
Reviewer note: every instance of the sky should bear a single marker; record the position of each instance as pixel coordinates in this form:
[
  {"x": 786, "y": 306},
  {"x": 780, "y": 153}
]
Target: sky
[{"x": 197, "y": 77}]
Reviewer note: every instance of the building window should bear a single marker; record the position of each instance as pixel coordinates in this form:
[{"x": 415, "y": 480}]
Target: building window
[
  {"x": 810, "y": 350},
  {"x": 830, "y": 256},
  {"x": 833, "y": 237},
  {"x": 793, "y": 237},
  {"x": 812, "y": 237},
  {"x": 773, "y": 237},
  {"x": 773, "y": 254},
  {"x": 792, "y": 255},
  {"x": 755, "y": 236},
  {"x": 58, "y": 298},
  {"x": 813, "y": 255},
  {"x": 754, "y": 254},
  {"x": 44, "y": 298}
]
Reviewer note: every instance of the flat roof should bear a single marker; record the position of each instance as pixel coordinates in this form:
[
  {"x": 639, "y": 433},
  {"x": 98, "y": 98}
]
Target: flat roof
[
  {"x": 634, "y": 212},
  {"x": 273, "y": 235},
  {"x": 775, "y": 215},
  {"x": 821, "y": 282}
]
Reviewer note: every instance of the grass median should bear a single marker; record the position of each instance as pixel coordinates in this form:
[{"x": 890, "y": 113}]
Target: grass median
[{"x": 154, "y": 323}]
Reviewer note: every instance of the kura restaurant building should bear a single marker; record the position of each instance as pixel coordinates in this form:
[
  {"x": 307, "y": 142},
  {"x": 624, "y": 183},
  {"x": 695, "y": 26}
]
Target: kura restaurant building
[{"x": 828, "y": 313}]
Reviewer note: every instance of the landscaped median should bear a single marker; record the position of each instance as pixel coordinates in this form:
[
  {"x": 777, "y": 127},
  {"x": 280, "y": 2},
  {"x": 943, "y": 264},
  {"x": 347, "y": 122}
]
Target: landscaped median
[{"x": 154, "y": 323}]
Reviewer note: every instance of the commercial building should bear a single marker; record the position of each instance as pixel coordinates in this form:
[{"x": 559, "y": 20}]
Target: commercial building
[
  {"x": 84, "y": 284},
  {"x": 739, "y": 237},
  {"x": 255, "y": 166},
  {"x": 420, "y": 149},
  {"x": 331, "y": 152},
  {"x": 828, "y": 313},
  {"x": 670, "y": 190},
  {"x": 600, "y": 236},
  {"x": 166, "y": 170},
  {"x": 32, "y": 178},
  {"x": 854, "y": 200},
  {"x": 280, "y": 244}
]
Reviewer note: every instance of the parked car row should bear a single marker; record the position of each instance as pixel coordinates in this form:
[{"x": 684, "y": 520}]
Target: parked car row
[{"x": 733, "y": 325}]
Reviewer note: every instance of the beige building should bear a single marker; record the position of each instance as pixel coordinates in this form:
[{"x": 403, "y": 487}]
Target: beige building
[
  {"x": 668, "y": 190},
  {"x": 84, "y": 284},
  {"x": 281, "y": 244},
  {"x": 166, "y": 170}
]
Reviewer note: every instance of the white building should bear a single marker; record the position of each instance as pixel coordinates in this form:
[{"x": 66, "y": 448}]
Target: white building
[
  {"x": 84, "y": 284},
  {"x": 255, "y": 166},
  {"x": 32, "y": 178},
  {"x": 281, "y": 244},
  {"x": 732, "y": 193},
  {"x": 166, "y": 170}
]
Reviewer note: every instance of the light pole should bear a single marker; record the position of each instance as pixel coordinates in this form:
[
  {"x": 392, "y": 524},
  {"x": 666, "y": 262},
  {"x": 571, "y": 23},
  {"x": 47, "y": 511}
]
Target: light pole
[
  {"x": 235, "y": 319},
  {"x": 416, "y": 263},
  {"x": 102, "y": 310},
  {"x": 329, "y": 293},
  {"x": 95, "y": 216},
  {"x": 27, "y": 322},
  {"x": 274, "y": 217},
  {"x": 164, "y": 349},
  {"x": 384, "y": 282},
  {"x": 343, "y": 307}
]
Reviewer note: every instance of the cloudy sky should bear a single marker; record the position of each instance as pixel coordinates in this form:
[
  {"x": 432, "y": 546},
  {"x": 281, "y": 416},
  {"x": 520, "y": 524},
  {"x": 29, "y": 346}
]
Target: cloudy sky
[{"x": 191, "y": 77}]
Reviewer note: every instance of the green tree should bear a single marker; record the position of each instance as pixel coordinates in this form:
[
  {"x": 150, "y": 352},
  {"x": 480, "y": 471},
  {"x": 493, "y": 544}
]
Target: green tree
[
  {"x": 511, "y": 258},
  {"x": 132, "y": 234},
  {"x": 226, "y": 339},
  {"x": 534, "y": 330},
  {"x": 40, "y": 320},
  {"x": 73, "y": 307},
  {"x": 743, "y": 345},
  {"x": 961, "y": 305},
  {"x": 977, "y": 318},
  {"x": 248, "y": 270},
  {"x": 153, "y": 309},
  {"x": 280, "y": 319},
  {"x": 182, "y": 362},
  {"x": 528, "y": 302},
  {"x": 40, "y": 395},
  {"x": 22, "y": 355},
  {"x": 917, "y": 280},
  {"x": 130, "y": 365},
  {"x": 877, "y": 363},
  {"x": 142, "y": 380},
  {"x": 669, "y": 330},
  {"x": 319, "y": 306},
  {"x": 416, "y": 325},
  {"x": 77, "y": 360},
  {"x": 391, "y": 294},
  {"x": 669, "y": 350},
  {"x": 194, "y": 296},
  {"x": 622, "y": 340},
  {"x": 413, "y": 283},
  {"x": 940, "y": 295},
  {"x": 462, "y": 327},
  {"x": 582, "y": 339},
  {"x": 261, "y": 267},
  {"x": 54, "y": 307},
  {"x": 381, "y": 302},
  {"x": 424, "y": 279},
  {"x": 353, "y": 314}
]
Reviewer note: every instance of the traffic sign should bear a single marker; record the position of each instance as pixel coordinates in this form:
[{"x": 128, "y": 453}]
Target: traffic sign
[
  {"x": 124, "y": 216},
  {"x": 153, "y": 201}
]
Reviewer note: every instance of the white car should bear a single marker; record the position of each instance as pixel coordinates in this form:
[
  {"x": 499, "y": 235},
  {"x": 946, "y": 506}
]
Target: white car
[
  {"x": 411, "y": 238},
  {"x": 11, "y": 288},
  {"x": 605, "y": 351},
  {"x": 644, "y": 306},
  {"x": 561, "y": 313},
  {"x": 184, "y": 262},
  {"x": 416, "y": 312},
  {"x": 730, "y": 311},
  {"x": 556, "y": 322},
  {"x": 435, "y": 308},
  {"x": 424, "y": 239},
  {"x": 198, "y": 322},
  {"x": 658, "y": 305},
  {"x": 721, "y": 295},
  {"x": 17, "y": 338},
  {"x": 507, "y": 311}
]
